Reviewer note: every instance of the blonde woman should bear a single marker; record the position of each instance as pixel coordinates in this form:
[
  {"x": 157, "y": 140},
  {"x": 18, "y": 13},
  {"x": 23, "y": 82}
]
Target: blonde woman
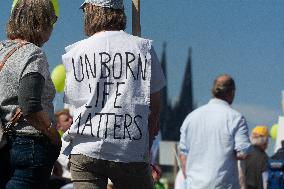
[{"x": 27, "y": 90}]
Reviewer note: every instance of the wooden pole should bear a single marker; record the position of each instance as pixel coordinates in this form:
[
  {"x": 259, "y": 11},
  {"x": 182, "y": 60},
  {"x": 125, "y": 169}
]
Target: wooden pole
[{"x": 136, "y": 27}]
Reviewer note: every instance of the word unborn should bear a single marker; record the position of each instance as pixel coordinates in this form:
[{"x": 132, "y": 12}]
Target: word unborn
[{"x": 109, "y": 66}]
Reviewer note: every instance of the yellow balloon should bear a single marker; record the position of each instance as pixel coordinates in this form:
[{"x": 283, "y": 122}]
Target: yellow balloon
[
  {"x": 58, "y": 76},
  {"x": 273, "y": 131}
]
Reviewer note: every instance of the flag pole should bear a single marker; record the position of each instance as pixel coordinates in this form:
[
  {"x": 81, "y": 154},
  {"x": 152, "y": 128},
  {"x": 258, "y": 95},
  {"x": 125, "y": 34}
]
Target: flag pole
[{"x": 136, "y": 27}]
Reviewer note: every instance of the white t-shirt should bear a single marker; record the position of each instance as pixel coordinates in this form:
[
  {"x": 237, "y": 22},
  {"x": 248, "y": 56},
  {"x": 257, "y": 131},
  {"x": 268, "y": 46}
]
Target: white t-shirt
[
  {"x": 109, "y": 79},
  {"x": 180, "y": 182}
]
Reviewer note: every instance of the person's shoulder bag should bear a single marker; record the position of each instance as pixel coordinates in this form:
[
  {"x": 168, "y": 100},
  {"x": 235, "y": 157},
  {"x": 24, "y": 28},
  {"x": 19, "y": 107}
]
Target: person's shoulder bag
[{"x": 5, "y": 129}]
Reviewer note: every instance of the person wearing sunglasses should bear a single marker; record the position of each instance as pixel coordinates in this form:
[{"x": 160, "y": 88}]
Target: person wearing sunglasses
[{"x": 26, "y": 95}]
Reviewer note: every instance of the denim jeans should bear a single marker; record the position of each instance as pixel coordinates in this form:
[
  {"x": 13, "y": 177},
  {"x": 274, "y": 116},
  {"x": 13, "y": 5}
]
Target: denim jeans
[
  {"x": 90, "y": 173},
  {"x": 5, "y": 166},
  {"x": 32, "y": 159}
]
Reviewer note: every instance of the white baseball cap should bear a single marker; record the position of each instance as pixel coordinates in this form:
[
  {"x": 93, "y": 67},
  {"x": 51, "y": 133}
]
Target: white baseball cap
[{"x": 114, "y": 4}]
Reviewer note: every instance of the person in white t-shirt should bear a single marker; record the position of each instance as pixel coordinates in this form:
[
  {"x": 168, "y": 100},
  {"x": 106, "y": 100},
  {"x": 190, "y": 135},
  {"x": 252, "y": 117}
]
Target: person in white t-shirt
[{"x": 113, "y": 81}]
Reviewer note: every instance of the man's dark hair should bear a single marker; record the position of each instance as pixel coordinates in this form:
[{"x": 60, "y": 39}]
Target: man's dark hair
[
  {"x": 282, "y": 143},
  {"x": 223, "y": 85}
]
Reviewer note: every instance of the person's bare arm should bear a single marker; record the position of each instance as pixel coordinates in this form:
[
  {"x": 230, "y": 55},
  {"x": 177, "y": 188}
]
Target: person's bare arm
[
  {"x": 241, "y": 156},
  {"x": 29, "y": 98},
  {"x": 183, "y": 163},
  {"x": 40, "y": 121}
]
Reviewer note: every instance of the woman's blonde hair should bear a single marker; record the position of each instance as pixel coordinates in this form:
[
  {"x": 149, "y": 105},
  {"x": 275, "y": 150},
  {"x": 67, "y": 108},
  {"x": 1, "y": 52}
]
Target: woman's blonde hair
[
  {"x": 103, "y": 19},
  {"x": 61, "y": 112},
  {"x": 31, "y": 20}
]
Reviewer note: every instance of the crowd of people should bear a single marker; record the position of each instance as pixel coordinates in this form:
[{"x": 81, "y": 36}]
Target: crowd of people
[
  {"x": 217, "y": 152},
  {"x": 113, "y": 81},
  {"x": 113, "y": 84}
]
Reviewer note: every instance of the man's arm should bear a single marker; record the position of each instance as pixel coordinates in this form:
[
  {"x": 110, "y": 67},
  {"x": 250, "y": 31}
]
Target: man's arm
[
  {"x": 182, "y": 158},
  {"x": 242, "y": 176},
  {"x": 156, "y": 84},
  {"x": 183, "y": 146},
  {"x": 154, "y": 117},
  {"x": 241, "y": 156},
  {"x": 242, "y": 142}
]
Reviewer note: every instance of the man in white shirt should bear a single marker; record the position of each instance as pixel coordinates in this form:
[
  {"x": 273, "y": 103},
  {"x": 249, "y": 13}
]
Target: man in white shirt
[
  {"x": 212, "y": 138},
  {"x": 113, "y": 81}
]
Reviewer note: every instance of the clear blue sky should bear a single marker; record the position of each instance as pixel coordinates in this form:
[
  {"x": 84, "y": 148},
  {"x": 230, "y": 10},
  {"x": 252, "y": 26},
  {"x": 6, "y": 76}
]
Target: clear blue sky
[{"x": 244, "y": 38}]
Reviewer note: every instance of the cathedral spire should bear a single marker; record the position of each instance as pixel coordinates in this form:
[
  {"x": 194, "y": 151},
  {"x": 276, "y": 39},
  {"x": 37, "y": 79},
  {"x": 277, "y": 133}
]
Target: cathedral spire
[
  {"x": 164, "y": 67},
  {"x": 164, "y": 94},
  {"x": 164, "y": 59},
  {"x": 173, "y": 116},
  {"x": 186, "y": 96}
]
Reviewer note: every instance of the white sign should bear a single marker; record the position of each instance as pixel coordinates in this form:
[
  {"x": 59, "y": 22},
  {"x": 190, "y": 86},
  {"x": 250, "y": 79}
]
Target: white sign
[
  {"x": 168, "y": 153},
  {"x": 280, "y": 133}
]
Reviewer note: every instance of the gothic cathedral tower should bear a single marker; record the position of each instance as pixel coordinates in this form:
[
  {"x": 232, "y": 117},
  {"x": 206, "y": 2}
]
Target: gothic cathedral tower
[{"x": 172, "y": 116}]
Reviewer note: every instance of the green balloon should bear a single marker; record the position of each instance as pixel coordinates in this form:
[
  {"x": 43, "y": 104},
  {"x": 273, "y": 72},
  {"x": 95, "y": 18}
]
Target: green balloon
[
  {"x": 56, "y": 7},
  {"x": 159, "y": 185},
  {"x": 58, "y": 76},
  {"x": 273, "y": 131},
  {"x": 14, "y": 4},
  {"x": 54, "y": 3}
]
